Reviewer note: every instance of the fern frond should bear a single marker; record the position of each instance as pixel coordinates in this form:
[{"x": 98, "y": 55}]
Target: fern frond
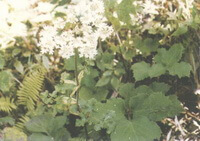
[
  {"x": 21, "y": 124},
  {"x": 7, "y": 104},
  {"x": 30, "y": 88}
]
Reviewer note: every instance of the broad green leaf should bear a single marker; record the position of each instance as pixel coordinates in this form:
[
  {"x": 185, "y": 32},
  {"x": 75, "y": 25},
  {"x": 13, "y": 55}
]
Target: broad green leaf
[
  {"x": 124, "y": 9},
  {"x": 149, "y": 45},
  {"x": 160, "y": 87},
  {"x": 181, "y": 30},
  {"x": 39, "y": 124},
  {"x": 115, "y": 82},
  {"x": 126, "y": 90},
  {"x": 61, "y": 135},
  {"x": 103, "y": 81},
  {"x": 136, "y": 130},
  {"x": 181, "y": 69},
  {"x": 7, "y": 120},
  {"x": 155, "y": 107},
  {"x": 57, "y": 123},
  {"x": 156, "y": 70},
  {"x": 45, "y": 124},
  {"x": 143, "y": 89},
  {"x": 39, "y": 137},
  {"x": 6, "y": 78},
  {"x": 114, "y": 104},
  {"x": 137, "y": 99},
  {"x": 69, "y": 64},
  {"x": 85, "y": 93},
  {"x": 2, "y": 62},
  {"x": 171, "y": 56},
  {"x": 88, "y": 81},
  {"x": 100, "y": 93},
  {"x": 19, "y": 67},
  {"x": 146, "y": 46},
  {"x": 140, "y": 70},
  {"x": 178, "y": 108}
]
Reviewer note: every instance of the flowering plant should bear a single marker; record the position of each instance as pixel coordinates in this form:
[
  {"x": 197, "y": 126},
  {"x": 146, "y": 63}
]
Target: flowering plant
[{"x": 99, "y": 70}]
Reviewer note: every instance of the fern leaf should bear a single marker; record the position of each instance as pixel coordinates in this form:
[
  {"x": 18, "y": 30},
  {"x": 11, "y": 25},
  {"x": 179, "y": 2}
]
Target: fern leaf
[
  {"x": 21, "y": 124},
  {"x": 31, "y": 86},
  {"x": 7, "y": 104}
]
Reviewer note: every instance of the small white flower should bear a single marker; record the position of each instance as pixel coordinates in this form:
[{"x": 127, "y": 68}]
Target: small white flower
[
  {"x": 150, "y": 7},
  {"x": 197, "y": 92},
  {"x": 88, "y": 25}
]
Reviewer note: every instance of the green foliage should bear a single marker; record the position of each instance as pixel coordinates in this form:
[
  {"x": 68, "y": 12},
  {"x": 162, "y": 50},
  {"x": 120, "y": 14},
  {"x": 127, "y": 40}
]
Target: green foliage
[
  {"x": 47, "y": 127},
  {"x": 122, "y": 94},
  {"x": 6, "y": 80},
  {"x": 165, "y": 60},
  {"x": 28, "y": 92},
  {"x": 2, "y": 61},
  {"x": 7, "y": 104},
  {"x": 12, "y": 134},
  {"x": 137, "y": 130},
  {"x": 124, "y": 9},
  {"x": 7, "y": 120},
  {"x": 20, "y": 125}
]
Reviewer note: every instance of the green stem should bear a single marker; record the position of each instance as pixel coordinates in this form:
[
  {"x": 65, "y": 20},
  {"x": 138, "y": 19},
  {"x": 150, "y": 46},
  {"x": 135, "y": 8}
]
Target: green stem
[
  {"x": 76, "y": 75},
  {"x": 122, "y": 57},
  {"x": 194, "y": 69}
]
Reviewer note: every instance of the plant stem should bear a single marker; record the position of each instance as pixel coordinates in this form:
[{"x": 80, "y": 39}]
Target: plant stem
[
  {"x": 123, "y": 60},
  {"x": 76, "y": 75}
]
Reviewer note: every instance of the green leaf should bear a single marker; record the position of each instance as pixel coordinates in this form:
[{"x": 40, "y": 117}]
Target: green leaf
[
  {"x": 103, "y": 81},
  {"x": 143, "y": 89},
  {"x": 136, "y": 130},
  {"x": 155, "y": 107},
  {"x": 114, "y": 104},
  {"x": 69, "y": 64},
  {"x": 61, "y": 135},
  {"x": 57, "y": 123},
  {"x": 88, "y": 81},
  {"x": 99, "y": 94},
  {"x": 6, "y": 78},
  {"x": 39, "y": 124},
  {"x": 46, "y": 124},
  {"x": 135, "y": 100},
  {"x": 181, "y": 69},
  {"x": 19, "y": 67},
  {"x": 5, "y": 120},
  {"x": 124, "y": 9},
  {"x": 85, "y": 93},
  {"x": 140, "y": 70},
  {"x": 156, "y": 70},
  {"x": 2, "y": 62},
  {"x": 39, "y": 137},
  {"x": 171, "y": 56},
  {"x": 16, "y": 51},
  {"x": 148, "y": 45},
  {"x": 115, "y": 82},
  {"x": 181, "y": 30},
  {"x": 126, "y": 90},
  {"x": 160, "y": 87}
]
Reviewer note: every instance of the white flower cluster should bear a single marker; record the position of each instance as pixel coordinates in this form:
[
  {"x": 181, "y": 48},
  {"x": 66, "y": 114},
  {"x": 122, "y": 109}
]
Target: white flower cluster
[
  {"x": 15, "y": 13},
  {"x": 170, "y": 10},
  {"x": 81, "y": 28}
]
